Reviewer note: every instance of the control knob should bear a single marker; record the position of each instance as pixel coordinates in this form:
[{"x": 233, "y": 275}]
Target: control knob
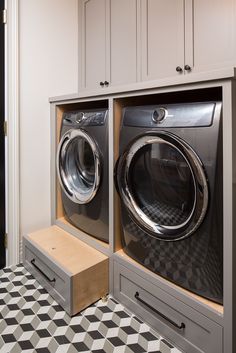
[
  {"x": 159, "y": 115},
  {"x": 80, "y": 117}
]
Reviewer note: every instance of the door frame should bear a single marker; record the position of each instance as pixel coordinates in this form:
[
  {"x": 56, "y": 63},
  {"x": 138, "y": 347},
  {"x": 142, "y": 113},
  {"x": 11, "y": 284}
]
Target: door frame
[
  {"x": 12, "y": 140},
  {"x": 2, "y": 143}
]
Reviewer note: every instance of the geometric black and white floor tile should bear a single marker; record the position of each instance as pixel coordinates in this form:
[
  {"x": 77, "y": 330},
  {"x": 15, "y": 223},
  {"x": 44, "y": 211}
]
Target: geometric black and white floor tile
[{"x": 31, "y": 321}]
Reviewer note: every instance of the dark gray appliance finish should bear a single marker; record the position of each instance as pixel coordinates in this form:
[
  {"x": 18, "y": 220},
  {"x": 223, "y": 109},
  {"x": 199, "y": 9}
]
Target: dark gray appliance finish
[
  {"x": 169, "y": 178},
  {"x": 82, "y": 168}
]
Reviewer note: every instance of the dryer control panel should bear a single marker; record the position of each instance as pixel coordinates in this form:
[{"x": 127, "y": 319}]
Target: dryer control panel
[{"x": 170, "y": 115}]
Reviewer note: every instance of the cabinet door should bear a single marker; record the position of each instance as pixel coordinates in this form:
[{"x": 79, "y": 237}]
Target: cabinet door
[
  {"x": 162, "y": 38},
  {"x": 123, "y": 41},
  {"x": 214, "y": 34},
  {"x": 93, "y": 40}
]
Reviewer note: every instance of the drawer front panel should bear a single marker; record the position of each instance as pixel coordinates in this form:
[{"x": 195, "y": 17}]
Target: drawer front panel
[
  {"x": 47, "y": 274},
  {"x": 190, "y": 330}
]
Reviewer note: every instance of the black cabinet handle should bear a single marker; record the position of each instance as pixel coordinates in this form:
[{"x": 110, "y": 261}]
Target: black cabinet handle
[
  {"x": 187, "y": 68},
  {"x": 179, "y": 69},
  {"x": 42, "y": 273},
  {"x": 102, "y": 84},
  {"x": 106, "y": 83},
  {"x": 180, "y": 327}
]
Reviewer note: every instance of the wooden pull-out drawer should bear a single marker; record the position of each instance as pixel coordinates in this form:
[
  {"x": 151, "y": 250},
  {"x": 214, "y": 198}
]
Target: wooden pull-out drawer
[
  {"x": 75, "y": 274},
  {"x": 190, "y": 330},
  {"x": 49, "y": 275}
]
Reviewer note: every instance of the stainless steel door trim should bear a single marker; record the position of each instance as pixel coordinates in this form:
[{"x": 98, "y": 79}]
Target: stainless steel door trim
[
  {"x": 143, "y": 141},
  {"x": 66, "y": 181},
  {"x": 199, "y": 209}
]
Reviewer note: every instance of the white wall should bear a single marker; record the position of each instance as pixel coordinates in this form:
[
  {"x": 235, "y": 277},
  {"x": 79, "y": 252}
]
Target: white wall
[{"x": 48, "y": 34}]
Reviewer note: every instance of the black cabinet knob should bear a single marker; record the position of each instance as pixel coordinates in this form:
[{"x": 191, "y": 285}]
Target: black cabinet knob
[
  {"x": 179, "y": 69},
  {"x": 102, "y": 84},
  {"x": 187, "y": 68},
  {"x": 106, "y": 83}
]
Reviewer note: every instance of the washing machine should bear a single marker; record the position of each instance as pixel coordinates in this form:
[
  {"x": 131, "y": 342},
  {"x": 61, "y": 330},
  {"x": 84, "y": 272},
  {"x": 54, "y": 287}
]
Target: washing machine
[
  {"x": 82, "y": 169},
  {"x": 169, "y": 179}
]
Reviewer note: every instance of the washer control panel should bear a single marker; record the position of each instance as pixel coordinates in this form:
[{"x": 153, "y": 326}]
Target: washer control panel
[
  {"x": 80, "y": 117},
  {"x": 85, "y": 118}
]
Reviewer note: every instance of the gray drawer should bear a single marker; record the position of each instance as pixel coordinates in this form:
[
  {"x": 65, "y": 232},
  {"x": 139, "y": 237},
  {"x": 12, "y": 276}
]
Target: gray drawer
[
  {"x": 48, "y": 274},
  {"x": 187, "y": 328}
]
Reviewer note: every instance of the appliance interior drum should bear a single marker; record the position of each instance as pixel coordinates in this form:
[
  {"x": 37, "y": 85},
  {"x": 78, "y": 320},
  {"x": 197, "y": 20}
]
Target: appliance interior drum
[
  {"x": 79, "y": 167},
  {"x": 163, "y": 185}
]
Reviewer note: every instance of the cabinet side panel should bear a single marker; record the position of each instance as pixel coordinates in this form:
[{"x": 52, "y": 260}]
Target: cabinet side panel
[{"x": 228, "y": 204}]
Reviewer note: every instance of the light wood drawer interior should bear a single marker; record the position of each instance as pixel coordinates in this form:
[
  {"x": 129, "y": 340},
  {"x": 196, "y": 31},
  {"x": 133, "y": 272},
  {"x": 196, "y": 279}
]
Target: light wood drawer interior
[{"x": 190, "y": 330}]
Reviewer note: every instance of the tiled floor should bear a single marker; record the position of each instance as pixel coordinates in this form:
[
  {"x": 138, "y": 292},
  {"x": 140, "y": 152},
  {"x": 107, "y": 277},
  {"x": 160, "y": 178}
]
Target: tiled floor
[{"x": 31, "y": 321}]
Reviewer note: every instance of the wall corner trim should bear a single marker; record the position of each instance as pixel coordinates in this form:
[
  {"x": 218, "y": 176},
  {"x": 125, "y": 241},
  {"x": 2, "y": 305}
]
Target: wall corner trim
[{"x": 12, "y": 141}]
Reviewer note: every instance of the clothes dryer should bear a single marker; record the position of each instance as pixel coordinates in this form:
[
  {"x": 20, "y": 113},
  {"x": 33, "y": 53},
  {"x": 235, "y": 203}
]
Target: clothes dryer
[
  {"x": 169, "y": 178},
  {"x": 82, "y": 169}
]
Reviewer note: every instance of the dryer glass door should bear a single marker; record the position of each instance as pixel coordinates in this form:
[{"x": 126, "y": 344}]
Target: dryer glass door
[
  {"x": 162, "y": 183},
  {"x": 78, "y": 166}
]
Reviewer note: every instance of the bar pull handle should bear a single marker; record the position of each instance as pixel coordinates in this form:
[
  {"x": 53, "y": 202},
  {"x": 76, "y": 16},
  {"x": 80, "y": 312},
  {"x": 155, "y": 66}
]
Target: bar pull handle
[
  {"x": 42, "y": 273},
  {"x": 180, "y": 327}
]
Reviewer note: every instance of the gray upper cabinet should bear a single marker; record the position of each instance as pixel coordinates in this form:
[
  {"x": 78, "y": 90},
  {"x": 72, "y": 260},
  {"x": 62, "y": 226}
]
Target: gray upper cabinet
[
  {"x": 181, "y": 37},
  {"x": 126, "y": 41},
  {"x": 213, "y": 32},
  {"x": 162, "y": 38},
  {"x": 123, "y": 41},
  {"x": 108, "y": 50},
  {"x": 94, "y": 24}
]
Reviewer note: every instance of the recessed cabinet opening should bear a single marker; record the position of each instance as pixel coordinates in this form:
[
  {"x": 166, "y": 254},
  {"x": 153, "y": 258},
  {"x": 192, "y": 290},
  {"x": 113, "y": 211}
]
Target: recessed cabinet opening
[
  {"x": 167, "y": 188},
  {"x": 81, "y": 169}
]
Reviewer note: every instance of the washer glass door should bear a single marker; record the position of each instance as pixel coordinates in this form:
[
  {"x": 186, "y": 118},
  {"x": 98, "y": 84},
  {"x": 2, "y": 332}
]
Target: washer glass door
[
  {"x": 162, "y": 183},
  {"x": 78, "y": 166}
]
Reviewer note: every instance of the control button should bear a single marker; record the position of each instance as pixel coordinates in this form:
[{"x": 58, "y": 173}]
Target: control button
[{"x": 159, "y": 115}]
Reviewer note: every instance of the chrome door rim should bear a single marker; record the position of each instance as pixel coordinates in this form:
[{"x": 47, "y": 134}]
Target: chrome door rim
[
  {"x": 72, "y": 194},
  {"x": 200, "y": 186}
]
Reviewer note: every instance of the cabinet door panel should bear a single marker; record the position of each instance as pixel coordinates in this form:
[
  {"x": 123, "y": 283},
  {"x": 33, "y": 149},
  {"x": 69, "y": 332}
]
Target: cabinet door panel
[
  {"x": 162, "y": 47},
  {"x": 93, "y": 42},
  {"x": 123, "y": 68},
  {"x": 214, "y": 34}
]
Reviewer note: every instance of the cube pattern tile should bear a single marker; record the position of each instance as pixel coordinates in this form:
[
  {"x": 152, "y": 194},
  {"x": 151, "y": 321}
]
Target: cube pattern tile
[{"x": 32, "y": 321}]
